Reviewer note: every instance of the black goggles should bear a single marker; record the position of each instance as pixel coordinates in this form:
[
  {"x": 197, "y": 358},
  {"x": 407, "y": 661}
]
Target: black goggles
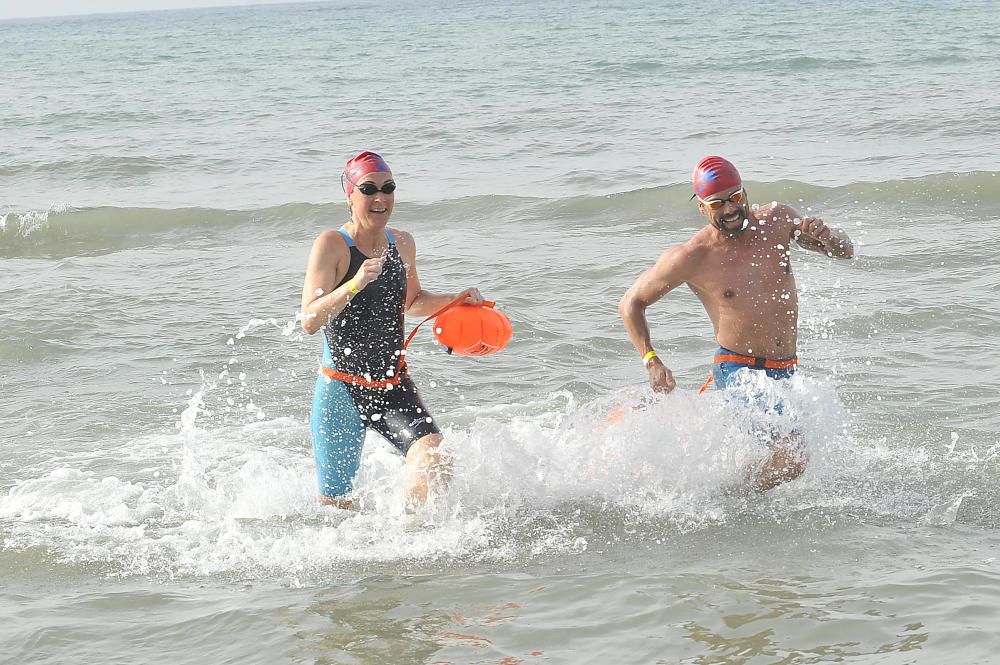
[{"x": 369, "y": 188}]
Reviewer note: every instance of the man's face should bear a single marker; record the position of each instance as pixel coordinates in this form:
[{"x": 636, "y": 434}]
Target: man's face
[{"x": 728, "y": 210}]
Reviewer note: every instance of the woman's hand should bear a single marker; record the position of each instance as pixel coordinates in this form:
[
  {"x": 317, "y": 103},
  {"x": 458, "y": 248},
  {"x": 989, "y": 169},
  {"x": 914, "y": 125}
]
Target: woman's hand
[
  {"x": 368, "y": 272},
  {"x": 472, "y": 297}
]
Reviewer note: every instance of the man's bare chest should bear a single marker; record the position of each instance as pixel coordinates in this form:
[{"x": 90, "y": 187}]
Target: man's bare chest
[{"x": 750, "y": 273}]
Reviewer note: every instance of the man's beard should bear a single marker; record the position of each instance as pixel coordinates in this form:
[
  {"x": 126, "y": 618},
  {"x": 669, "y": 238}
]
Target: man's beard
[{"x": 733, "y": 232}]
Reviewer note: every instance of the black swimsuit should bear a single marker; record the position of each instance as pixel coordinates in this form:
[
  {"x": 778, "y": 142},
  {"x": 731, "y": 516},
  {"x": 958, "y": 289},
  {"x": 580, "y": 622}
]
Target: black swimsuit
[{"x": 366, "y": 340}]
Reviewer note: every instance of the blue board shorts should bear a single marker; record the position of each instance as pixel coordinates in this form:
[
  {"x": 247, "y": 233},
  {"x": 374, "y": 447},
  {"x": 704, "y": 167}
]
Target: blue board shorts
[{"x": 731, "y": 372}]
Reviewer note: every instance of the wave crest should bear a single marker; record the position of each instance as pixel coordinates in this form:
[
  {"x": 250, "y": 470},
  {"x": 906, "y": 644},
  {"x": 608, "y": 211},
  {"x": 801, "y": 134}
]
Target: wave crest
[{"x": 65, "y": 231}]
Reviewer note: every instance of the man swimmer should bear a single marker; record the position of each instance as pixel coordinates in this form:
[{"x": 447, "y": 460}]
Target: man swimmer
[
  {"x": 359, "y": 282},
  {"x": 739, "y": 266}
]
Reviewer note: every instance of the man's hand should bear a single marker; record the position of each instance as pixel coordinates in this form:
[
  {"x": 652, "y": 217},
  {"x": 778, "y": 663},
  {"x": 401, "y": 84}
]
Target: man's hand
[
  {"x": 661, "y": 379},
  {"x": 812, "y": 233}
]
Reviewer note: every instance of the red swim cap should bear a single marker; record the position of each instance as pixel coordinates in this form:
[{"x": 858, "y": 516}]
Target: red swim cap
[
  {"x": 714, "y": 174},
  {"x": 360, "y": 165}
]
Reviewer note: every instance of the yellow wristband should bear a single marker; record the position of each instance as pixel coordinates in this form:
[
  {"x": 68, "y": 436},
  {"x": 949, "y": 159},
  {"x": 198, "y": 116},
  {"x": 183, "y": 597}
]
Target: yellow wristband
[
  {"x": 352, "y": 287},
  {"x": 649, "y": 356}
]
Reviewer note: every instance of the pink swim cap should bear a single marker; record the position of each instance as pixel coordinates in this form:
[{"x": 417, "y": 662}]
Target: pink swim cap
[
  {"x": 361, "y": 165},
  {"x": 714, "y": 174}
]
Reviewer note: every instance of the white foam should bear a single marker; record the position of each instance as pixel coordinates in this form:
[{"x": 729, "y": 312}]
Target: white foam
[
  {"x": 28, "y": 222},
  {"x": 211, "y": 497}
]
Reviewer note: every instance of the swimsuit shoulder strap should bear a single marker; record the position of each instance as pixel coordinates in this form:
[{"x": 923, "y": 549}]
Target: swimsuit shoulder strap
[
  {"x": 347, "y": 236},
  {"x": 350, "y": 241}
]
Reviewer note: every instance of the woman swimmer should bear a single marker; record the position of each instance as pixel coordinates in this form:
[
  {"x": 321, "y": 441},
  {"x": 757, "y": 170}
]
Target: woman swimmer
[{"x": 360, "y": 281}]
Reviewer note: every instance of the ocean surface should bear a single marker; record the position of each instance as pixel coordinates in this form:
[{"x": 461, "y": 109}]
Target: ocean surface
[{"x": 163, "y": 176}]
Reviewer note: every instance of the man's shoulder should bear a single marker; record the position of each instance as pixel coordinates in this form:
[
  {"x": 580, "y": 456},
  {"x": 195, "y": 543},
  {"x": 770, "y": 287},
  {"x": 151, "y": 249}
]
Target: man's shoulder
[
  {"x": 697, "y": 245},
  {"x": 776, "y": 211},
  {"x": 688, "y": 253}
]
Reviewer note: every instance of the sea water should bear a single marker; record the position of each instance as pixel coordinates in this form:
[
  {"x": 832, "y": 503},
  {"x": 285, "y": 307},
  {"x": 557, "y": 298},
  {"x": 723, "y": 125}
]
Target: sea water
[{"x": 163, "y": 176}]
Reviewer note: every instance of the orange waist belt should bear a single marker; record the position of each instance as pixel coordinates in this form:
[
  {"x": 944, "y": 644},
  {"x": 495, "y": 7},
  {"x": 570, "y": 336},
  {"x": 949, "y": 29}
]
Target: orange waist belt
[
  {"x": 362, "y": 381},
  {"x": 758, "y": 363},
  {"x": 749, "y": 361}
]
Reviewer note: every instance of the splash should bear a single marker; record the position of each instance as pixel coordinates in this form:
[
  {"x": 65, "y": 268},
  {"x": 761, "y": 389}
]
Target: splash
[{"x": 237, "y": 497}]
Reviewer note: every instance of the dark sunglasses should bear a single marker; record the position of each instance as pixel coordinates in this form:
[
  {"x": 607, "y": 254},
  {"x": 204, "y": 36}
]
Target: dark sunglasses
[{"x": 369, "y": 188}]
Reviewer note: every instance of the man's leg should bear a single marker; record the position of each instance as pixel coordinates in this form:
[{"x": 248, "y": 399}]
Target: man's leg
[{"x": 786, "y": 462}]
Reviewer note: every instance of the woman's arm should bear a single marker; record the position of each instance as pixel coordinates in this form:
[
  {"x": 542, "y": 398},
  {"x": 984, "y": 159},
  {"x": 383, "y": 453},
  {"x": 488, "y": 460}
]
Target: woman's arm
[{"x": 328, "y": 261}]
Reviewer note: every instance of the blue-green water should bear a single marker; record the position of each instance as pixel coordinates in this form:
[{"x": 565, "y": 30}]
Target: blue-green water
[
  {"x": 163, "y": 175},
  {"x": 245, "y": 107}
]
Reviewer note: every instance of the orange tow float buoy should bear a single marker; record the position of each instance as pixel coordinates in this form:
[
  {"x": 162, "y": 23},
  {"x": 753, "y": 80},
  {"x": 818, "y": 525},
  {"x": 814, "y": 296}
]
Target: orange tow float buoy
[{"x": 473, "y": 330}]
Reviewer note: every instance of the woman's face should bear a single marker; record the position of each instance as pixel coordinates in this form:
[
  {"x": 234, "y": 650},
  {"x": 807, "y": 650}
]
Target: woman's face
[{"x": 376, "y": 207}]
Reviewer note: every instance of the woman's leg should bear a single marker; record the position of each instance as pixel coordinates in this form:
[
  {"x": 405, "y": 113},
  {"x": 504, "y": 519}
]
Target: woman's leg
[
  {"x": 427, "y": 468},
  {"x": 338, "y": 435}
]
